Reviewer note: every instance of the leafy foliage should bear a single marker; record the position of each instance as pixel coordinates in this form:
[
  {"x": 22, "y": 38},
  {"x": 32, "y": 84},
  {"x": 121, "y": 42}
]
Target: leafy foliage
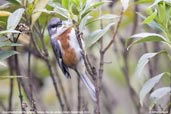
[{"x": 161, "y": 20}]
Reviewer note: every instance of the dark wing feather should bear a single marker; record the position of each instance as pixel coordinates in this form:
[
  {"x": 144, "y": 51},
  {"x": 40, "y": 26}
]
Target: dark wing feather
[{"x": 57, "y": 51}]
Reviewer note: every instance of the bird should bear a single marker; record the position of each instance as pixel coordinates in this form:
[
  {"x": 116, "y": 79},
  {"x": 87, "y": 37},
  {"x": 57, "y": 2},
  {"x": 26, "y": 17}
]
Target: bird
[{"x": 68, "y": 52}]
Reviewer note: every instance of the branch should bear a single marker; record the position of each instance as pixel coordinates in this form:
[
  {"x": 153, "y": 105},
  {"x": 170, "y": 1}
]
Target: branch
[
  {"x": 98, "y": 79},
  {"x": 33, "y": 105},
  {"x": 89, "y": 67},
  {"x": 115, "y": 32},
  {"x": 10, "y": 60},
  {"x": 79, "y": 95},
  {"x": 18, "y": 73}
]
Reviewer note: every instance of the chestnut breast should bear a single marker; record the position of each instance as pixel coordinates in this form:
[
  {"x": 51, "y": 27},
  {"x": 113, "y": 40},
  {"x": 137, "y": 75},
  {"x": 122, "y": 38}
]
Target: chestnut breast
[{"x": 68, "y": 55}]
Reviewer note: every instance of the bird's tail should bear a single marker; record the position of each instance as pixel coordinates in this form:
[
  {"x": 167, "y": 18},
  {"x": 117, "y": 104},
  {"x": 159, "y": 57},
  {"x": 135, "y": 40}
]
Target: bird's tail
[{"x": 89, "y": 86}]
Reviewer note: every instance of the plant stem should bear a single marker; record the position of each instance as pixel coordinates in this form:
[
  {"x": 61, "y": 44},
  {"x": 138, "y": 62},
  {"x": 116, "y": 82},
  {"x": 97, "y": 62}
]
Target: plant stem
[
  {"x": 100, "y": 75},
  {"x": 18, "y": 79},
  {"x": 79, "y": 95},
  {"x": 33, "y": 105},
  {"x": 115, "y": 32},
  {"x": 11, "y": 84}
]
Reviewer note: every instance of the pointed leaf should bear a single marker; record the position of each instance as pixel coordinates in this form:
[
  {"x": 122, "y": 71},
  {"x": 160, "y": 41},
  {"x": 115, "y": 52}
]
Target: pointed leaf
[
  {"x": 7, "y": 44},
  {"x": 153, "y": 24},
  {"x": 62, "y": 11},
  {"x": 3, "y": 64},
  {"x": 6, "y": 53},
  {"x": 77, "y": 2},
  {"x": 144, "y": 1},
  {"x": 83, "y": 23},
  {"x": 75, "y": 11},
  {"x": 96, "y": 35},
  {"x": 4, "y": 13},
  {"x": 89, "y": 7},
  {"x": 107, "y": 16},
  {"x": 14, "y": 19},
  {"x": 5, "y": 6},
  {"x": 11, "y": 77},
  {"x": 145, "y": 37},
  {"x": 159, "y": 93},
  {"x": 125, "y": 4},
  {"x": 147, "y": 87},
  {"x": 9, "y": 31},
  {"x": 157, "y": 1},
  {"x": 66, "y": 3},
  {"x": 150, "y": 18},
  {"x": 144, "y": 60},
  {"x": 39, "y": 6}
]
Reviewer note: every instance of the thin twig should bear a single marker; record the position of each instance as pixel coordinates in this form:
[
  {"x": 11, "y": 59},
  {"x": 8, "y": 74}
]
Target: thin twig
[
  {"x": 115, "y": 32},
  {"x": 169, "y": 108},
  {"x": 10, "y": 95},
  {"x": 18, "y": 73},
  {"x": 79, "y": 36},
  {"x": 11, "y": 84},
  {"x": 33, "y": 104},
  {"x": 100, "y": 75},
  {"x": 79, "y": 95}
]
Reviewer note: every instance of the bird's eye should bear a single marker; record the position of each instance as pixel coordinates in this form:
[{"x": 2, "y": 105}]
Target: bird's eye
[{"x": 54, "y": 26}]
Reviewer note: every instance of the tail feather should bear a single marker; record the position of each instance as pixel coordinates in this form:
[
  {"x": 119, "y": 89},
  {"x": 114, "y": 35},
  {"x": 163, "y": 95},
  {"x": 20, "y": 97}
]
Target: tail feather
[{"x": 89, "y": 86}]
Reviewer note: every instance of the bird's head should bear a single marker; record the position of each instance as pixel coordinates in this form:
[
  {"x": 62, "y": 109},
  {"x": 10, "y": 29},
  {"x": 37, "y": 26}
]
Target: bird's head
[
  {"x": 56, "y": 26},
  {"x": 53, "y": 25}
]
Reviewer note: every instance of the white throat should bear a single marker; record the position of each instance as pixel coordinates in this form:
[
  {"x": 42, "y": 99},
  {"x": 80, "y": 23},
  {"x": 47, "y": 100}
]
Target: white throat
[{"x": 60, "y": 30}]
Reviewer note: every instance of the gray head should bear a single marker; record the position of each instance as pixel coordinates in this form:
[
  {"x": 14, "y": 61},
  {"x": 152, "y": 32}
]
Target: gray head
[{"x": 53, "y": 24}]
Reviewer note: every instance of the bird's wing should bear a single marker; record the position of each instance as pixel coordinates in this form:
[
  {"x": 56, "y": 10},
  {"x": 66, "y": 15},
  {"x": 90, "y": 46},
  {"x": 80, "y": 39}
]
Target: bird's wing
[{"x": 58, "y": 53}]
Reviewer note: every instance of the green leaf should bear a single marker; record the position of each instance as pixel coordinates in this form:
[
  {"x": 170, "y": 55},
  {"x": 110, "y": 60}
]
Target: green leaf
[
  {"x": 144, "y": 1},
  {"x": 83, "y": 23},
  {"x": 66, "y": 3},
  {"x": 107, "y": 16},
  {"x": 96, "y": 35},
  {"x": 39, "y": 6},
  {"x": 77, "y": 2},
  {"x": 157, "y": 1},
  {"x": 144, "y": 60},
  {"x": 150, "y": 18},
  {"x": 147, "y": 87},
  {"x": 6, "y": 53},
  {"x": 3, "y": 64},
  {"x": 31, "y": 6},
  {"x": 7, "y": 44},
  {"x": 159, "y": 93},
  {"x": 153, "y": 24},
  {"x": 5, "y": 6},
  {"x": 11, "y": 77},
  {"x": 14, "y": 19},
  {"x": 17, "y": 2},
  {"x": 61, "y": 11},
  {"x": 89, "y": 7},
  {"x": 125, "y": 4},
  {"x": 74, "y": 9},
  {"x": 145, "y": 37},
  {"x": 47, "y": 11},
  {"x": 9, "y": 31}
]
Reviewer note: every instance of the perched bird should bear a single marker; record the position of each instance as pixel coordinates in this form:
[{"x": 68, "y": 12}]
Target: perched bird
[{"x": 68, "y": 52}]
